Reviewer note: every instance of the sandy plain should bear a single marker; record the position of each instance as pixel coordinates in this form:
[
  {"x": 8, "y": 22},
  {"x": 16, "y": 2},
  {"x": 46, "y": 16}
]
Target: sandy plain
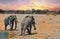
[{"x": 48, "y": 27}]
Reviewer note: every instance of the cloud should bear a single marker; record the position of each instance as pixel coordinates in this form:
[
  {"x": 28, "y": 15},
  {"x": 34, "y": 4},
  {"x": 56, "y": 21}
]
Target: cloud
[
  {"x": 29, "y": 4},
  {"x": 7, "y": 6}
]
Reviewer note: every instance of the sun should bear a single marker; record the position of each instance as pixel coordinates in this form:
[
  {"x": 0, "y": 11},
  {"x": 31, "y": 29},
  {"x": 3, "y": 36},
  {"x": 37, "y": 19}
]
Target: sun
[
  {"x": 33, "y": 5},
  {"x": 37, "y": 6}
]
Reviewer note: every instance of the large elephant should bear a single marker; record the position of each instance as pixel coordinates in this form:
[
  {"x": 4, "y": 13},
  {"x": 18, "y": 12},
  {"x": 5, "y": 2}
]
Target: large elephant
[
  {"x": 26, "y": 24},
  {"x": 11, "y": 20}
]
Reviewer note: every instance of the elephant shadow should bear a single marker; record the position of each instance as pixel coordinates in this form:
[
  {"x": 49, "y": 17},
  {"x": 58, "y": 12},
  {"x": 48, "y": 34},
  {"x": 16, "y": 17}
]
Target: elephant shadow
[
  {"x": 13, "y": 30},
  {"x": 16, "y": 30},
  {"x": 32, "y": 34}
]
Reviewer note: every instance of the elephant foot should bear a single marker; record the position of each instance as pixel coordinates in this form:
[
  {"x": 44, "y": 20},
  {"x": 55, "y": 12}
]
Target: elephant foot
[
  {"x": 29, "y": 32},
  {"x": 22, "y": 34},
  {"x": 14, "y": 29},
  {"x": 5, "y": 29},
  {"x": 11, "y": 29}
]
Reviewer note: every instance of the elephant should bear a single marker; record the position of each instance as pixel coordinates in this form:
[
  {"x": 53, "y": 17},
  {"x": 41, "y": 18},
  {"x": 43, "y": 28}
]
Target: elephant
[
  {"x": 27, "y": 24},
  {"x": 10, "y": 20}
]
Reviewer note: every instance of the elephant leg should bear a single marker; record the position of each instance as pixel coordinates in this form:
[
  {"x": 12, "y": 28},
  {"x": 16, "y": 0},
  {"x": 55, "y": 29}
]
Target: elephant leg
[
  {"x": 11, "y": 26},
  {"x": 21, "y": 31},
  {"x": 15, "y": 25},
  {"x": 28, "y": 31},
  {"x": 5, "y": 27},
  {"x": 22, "y": 27},
  {"x": 24, "y": 31}
]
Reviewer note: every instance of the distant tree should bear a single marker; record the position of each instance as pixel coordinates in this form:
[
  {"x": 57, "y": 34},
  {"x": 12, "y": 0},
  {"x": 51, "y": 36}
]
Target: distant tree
[
  {"x": 33, "y": 11},
  {"x": 41, "y": 11},
  {"x": 2, "y": 11},
  {"x": 45, "y": 11},
  {"x": 28, "y": 12},
  {"x": 21, "y": 11},
  {"x": 18, "y": 12},
  {"x": 59, "y": 12},
  {"x": 38, "y": 11}
]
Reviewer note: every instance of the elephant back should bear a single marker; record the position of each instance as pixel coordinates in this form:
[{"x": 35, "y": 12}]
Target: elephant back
[{"x": 26, "y": 21}]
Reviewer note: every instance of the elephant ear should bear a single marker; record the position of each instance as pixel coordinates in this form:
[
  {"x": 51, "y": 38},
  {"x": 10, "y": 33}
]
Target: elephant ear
[
  {"x": 11, "y": 18},
  {"x": 33, "y": 20}
]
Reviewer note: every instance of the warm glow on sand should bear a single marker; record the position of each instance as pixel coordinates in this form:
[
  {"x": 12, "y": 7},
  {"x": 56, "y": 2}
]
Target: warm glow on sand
[{"x": 48, "y": 26}]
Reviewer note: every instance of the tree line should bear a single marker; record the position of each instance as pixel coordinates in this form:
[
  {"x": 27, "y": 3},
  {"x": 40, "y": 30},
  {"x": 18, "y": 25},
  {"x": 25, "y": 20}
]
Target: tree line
[{"x": 33, "y": 11}]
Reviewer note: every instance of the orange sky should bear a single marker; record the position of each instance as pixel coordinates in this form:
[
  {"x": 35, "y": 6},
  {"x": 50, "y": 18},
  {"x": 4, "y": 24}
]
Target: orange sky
[{"x": 29, "y": 4}]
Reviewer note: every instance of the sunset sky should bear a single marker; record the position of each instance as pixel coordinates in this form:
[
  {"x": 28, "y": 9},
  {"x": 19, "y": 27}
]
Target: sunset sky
[{"x": 29, "y": 4}]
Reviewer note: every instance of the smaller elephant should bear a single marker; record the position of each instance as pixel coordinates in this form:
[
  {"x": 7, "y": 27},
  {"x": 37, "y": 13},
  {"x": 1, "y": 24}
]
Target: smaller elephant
[
  {"x": 10, "y": 21},
  {"x": 27, "y": 24}
]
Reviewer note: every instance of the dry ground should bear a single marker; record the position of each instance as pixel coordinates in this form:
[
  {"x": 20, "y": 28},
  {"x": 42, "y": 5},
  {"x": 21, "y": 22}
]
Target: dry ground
[{"x": 48, "y": 27}]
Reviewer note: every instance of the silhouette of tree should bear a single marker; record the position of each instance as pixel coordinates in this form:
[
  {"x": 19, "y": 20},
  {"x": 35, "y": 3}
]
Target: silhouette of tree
[
  {"x": 33, "y": 11},
  {"x": 38, "y": 11},
  {"x": 21, "y": 11},
  {"x": 2, "y": 11},
  {"x": 59, "y": 11}
]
